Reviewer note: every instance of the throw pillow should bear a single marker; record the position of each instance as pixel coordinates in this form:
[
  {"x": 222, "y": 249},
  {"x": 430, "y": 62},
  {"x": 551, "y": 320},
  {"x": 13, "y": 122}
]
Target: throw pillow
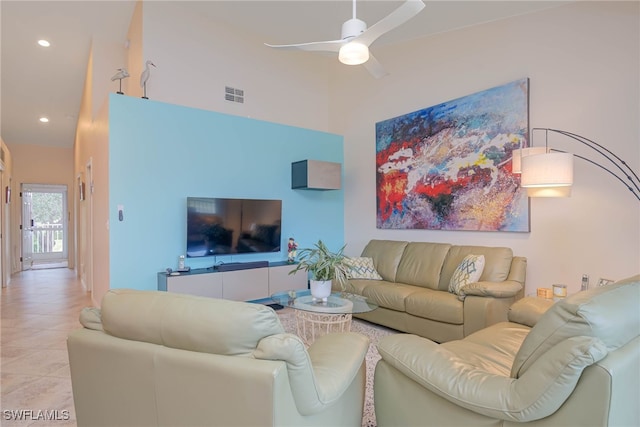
[
  {"x": 362, "y": 268},
  {"x": 468, "y": 271}
]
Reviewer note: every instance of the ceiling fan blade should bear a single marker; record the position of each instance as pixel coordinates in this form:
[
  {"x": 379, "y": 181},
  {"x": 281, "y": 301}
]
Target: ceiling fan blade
[
  {"x": 328, "y": 46},
  {"x": 374, "y": 67},
  {"x": 406, "y": 11}
]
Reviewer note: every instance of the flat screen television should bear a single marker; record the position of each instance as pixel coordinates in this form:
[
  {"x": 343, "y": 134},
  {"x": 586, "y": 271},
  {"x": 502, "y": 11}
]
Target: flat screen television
[{"x": 218, "y": 226}]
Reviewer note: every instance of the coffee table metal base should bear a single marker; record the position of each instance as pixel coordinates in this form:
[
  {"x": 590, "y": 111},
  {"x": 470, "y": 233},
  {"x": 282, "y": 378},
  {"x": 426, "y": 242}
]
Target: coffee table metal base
[{"x": 312, "y": 325}]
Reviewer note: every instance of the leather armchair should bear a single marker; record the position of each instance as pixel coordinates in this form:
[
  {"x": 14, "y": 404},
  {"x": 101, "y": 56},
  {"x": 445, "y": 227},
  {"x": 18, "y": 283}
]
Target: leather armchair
[
  {"x": 149, "y": 358},
  {"x": 575, "y": 364}
]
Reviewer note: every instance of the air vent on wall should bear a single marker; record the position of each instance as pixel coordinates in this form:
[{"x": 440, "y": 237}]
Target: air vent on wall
[{"x": 234, "y": 95}]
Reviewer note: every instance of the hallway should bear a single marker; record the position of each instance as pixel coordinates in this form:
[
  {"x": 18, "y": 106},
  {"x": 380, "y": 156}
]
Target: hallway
[{"x": 38, "y": 309}]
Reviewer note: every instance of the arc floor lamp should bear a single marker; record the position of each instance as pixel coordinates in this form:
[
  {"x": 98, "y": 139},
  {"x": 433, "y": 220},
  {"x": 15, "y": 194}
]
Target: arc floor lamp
[{"x": 548, "y": 172}]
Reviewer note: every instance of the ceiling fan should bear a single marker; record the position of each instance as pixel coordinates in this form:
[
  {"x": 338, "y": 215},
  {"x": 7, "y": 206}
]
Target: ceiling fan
[{"x": 353, "y": 47}]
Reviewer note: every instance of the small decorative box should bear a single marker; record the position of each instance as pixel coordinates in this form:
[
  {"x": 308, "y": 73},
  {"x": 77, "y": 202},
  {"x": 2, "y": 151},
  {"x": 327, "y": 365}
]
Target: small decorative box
[
  {"x": 545, "y": 292},
  {"x": 559, "y": 291}
]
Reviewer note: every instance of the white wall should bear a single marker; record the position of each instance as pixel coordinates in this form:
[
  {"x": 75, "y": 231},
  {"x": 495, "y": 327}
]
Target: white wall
[
  {"x": 92, "y": 148},
  {"x": 7, "y": 222},
  {"x": 583, "y": 63},
  {"x": 196, "y": 57}
]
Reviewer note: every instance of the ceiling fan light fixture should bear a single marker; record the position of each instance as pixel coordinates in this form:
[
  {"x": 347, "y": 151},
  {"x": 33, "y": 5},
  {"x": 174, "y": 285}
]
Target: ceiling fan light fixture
[
  {"x": 353, "y": 53},
  {"x": 353, "y": 46}
]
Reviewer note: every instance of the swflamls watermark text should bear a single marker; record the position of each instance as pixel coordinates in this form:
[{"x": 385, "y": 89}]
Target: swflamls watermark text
[{"x": 35, "y": 414}]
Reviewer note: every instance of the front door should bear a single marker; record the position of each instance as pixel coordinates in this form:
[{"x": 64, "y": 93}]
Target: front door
[{"x": 44, "y": 226}]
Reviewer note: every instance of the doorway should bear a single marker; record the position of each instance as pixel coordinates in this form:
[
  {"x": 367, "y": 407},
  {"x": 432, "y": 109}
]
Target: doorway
[{"x": 44, "y": 226}]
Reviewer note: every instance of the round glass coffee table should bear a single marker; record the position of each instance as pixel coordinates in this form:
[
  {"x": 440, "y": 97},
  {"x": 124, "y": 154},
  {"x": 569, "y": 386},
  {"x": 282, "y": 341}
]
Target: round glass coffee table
[{"x": 315, "y": 317}]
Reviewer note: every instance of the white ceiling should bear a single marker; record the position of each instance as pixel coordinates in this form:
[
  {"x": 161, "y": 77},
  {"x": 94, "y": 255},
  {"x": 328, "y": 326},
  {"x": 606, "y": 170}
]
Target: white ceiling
[{"x": 37, "y": 81}]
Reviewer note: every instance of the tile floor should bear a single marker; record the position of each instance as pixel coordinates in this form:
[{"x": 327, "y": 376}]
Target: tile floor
[{"x": 37, "y": 311}]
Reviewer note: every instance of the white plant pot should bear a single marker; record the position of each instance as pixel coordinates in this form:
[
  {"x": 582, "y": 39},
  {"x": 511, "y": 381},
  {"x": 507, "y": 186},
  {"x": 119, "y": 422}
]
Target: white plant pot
[{"x": 320, "y": 289}]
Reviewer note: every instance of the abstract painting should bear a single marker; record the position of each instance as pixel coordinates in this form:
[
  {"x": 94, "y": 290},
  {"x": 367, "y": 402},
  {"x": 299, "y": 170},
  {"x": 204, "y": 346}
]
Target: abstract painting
[{"x": 448, "y": 167}]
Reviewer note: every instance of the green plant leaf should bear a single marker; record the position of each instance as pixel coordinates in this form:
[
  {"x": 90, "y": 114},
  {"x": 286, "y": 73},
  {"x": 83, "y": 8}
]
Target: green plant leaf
[{"x": 323, "y": 264}]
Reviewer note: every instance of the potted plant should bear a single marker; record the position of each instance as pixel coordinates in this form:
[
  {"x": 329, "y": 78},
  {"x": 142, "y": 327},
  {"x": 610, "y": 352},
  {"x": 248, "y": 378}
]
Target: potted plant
[{"x": 324, "y": 267}]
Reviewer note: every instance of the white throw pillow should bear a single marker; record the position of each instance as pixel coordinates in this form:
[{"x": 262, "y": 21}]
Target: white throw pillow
[
  {"x": 362, "y": 268},
  {"x": 469, "y": 271}
]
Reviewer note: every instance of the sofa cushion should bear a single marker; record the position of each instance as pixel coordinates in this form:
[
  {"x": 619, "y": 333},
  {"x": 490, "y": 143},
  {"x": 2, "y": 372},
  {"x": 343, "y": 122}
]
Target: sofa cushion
[
  {"x": 456, "y": 375},
  {"x": 496, "y": 269},
  {"x": 205, "y": 325},
  {"x": 468, "y": 271},
  {"x": 421, "y": 264},
  {"x": 388, "y": 294},
  {"x": 386, "y": 256},
  {"x": 491, "y": 349},
  {"x": 609, "y": 313},
  {"x": 435, "y": 305},
  {"x": 357, "y": 286},
  {"x": 362, "y": 268}
]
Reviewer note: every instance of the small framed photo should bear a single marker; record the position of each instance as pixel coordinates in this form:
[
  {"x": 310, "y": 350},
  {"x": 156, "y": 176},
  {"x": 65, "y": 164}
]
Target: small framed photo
[{"x": 604, "y": 282}]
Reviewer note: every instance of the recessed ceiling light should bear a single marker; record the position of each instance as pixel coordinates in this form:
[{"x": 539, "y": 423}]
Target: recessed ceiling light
[
  {"x": 44, "y": 119},
  {"x": 44, "y": 43}
]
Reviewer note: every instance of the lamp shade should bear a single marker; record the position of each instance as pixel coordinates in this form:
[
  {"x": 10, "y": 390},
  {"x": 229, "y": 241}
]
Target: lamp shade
[
  {"x": 353, "y": 53},
  {"x": 517, "y": 155},
  {"x": 549, "y": 191},
  {"x": 545, "y": 175}
]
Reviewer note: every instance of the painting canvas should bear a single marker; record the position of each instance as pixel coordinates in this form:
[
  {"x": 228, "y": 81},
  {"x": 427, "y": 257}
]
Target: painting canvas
[{"x": 448, "y": 167}]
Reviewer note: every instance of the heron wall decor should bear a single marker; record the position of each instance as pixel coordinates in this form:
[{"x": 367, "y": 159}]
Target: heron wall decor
[
  {"x": 121, "y": 74},
  {"x": 144, "y": 78}
]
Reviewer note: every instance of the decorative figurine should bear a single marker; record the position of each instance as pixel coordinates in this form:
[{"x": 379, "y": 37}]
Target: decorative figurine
[
  {"x": 292, "y": 250},
  {"x": 292, "y": 297},
  {"x": 121, "y": 74},
  {"x": 144, "y": 78}
]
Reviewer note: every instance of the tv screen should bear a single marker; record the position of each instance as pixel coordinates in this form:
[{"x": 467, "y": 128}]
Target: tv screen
[{"x": 231, "y": 226}]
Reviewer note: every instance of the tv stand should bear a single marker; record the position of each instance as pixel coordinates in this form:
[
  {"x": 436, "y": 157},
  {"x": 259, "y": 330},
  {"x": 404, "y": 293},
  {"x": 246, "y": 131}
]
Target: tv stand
[{"x": 253, "y": 281}]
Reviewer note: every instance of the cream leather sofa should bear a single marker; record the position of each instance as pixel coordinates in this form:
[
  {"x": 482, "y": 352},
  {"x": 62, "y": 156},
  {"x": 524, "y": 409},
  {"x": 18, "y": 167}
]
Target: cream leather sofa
[
  {"x": 161, "y": 359},
  {"x": 413, "y": 296},
  {"x": 579, "y": 365}
]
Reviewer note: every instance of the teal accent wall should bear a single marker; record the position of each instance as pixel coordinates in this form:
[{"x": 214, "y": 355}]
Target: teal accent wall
[{"x": 160, "y": 154}]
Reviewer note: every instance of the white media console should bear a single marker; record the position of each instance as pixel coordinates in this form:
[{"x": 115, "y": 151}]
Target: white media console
[{"x": 239, "y": 285}]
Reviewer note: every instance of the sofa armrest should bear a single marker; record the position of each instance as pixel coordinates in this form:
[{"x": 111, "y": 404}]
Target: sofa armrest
[
  {"x": 320, "y": 375},
  {"x": 506, "y": 289},
  {"x": 528, "y": 310},
  {"x": 537, "y": 394},
  {"x": 486, "y": 303}
]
